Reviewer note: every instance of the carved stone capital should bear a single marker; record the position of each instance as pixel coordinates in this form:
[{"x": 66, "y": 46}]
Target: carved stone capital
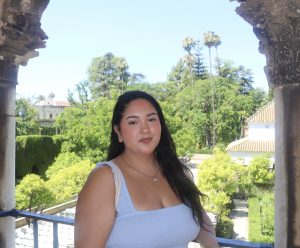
[
  {"x": 20, "y": 29},
  {"x": 276, "y": 24}
]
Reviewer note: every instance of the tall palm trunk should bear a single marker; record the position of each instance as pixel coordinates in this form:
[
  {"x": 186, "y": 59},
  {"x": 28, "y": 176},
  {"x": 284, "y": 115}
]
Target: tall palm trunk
[
  {"x": 218, "y": 60},
  {"x": 212, "y": 99},
  {"x": 188, "y": 44},
  {"x": 190, "y": 66}
]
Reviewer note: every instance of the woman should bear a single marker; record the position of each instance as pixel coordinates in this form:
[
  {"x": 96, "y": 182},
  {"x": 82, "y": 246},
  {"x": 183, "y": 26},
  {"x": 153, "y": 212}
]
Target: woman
[{"x": 159, "y": 204}]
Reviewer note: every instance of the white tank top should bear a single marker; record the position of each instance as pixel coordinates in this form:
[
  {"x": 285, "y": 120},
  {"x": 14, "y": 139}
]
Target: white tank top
[{"x": 171, "y": 227}]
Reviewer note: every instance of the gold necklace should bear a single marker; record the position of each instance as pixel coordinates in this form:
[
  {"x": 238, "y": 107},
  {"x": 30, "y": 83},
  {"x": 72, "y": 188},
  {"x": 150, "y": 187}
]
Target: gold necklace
[{"x": 154, "y": 178}]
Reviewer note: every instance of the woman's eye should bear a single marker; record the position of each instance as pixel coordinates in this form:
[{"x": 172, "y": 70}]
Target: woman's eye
[
  {"x": 132, "y": 122},
  {"x": 152, "y": 119}
]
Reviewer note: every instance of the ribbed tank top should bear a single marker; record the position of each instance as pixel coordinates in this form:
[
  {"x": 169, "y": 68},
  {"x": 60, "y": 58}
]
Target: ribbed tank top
[{"x": 171, "y": 227}]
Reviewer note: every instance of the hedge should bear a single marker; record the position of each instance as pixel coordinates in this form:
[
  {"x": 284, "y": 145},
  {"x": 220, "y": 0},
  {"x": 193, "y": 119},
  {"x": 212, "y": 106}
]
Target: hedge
[
  {"x": 34, "y": 153},
  {"x": 261, "y": 220},
  {"x": 224, "y": 228}
]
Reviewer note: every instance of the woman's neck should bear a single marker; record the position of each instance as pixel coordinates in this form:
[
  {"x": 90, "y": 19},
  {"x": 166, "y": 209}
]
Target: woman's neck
[{"x": 140, "y": 161}]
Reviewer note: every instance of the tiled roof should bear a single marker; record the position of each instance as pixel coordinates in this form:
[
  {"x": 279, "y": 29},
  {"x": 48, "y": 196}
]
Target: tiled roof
[
  {"x": 62, "y": 103},
  {"x": 266, "y": 114},
  {"x": 246, "y": 145},
  {"x": 54, "y": 103}
]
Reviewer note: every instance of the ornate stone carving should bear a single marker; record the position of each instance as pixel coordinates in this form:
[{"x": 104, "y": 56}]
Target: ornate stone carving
[
  {"x": 20, "y": 29},
  {"x": 276, "y": 24}
]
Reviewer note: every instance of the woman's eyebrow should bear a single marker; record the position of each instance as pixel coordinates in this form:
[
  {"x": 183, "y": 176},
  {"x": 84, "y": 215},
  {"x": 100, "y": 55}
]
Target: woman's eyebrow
[
  {"x": 154, "y": 113},
  {"x": 136, "y": 116},
  {"x": 131, "y": 116}
]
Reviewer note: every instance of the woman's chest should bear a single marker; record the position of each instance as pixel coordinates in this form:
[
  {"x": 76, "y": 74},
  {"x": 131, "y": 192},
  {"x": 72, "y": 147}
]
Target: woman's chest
[
  {"x": 167, "y": 227},
  {"x": 150, "y": 195}
]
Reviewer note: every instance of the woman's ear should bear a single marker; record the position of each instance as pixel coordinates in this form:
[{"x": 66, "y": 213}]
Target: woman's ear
[{"x": 117, "y": 130}]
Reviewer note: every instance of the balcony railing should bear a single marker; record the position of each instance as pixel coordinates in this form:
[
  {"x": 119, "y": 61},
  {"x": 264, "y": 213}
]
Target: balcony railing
[{"x": 55, "y": 220}]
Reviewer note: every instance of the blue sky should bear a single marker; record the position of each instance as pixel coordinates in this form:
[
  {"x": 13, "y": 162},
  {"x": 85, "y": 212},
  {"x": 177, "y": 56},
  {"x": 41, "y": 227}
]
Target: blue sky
[{"x": 148, "y": 34}]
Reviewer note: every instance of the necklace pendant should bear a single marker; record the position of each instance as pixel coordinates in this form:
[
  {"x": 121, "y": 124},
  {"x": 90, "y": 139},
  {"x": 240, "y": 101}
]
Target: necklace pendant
[{"x": 155, "y": 179}]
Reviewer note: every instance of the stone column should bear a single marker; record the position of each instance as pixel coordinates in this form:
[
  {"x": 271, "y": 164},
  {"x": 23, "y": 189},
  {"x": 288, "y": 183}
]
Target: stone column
[
  {"x": 20, "y": 35},
  {"x": 276, "y": 24},
  {"x": 8, "y": 79}
]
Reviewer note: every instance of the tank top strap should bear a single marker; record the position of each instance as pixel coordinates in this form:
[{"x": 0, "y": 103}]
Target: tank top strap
[
  {"x": 114, "y": 167},
  {"x": 123, "y": 202},
  {"x": 117, "y": 178}
]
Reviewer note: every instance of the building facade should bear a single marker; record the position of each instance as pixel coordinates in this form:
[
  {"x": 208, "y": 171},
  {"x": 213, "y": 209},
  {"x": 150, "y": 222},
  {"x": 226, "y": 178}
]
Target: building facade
[
  {"x": 259, "y": 137},
  {"x": 49, "y": 109}
]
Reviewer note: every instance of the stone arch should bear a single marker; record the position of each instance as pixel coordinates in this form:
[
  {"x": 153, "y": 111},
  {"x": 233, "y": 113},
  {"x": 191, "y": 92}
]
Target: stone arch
[{"x": 276, "y": 24}]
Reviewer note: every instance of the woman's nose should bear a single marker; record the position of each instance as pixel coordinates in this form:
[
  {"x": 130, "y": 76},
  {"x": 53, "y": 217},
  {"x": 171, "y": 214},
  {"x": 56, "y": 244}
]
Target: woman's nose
[{"x": 145, "y": 127}]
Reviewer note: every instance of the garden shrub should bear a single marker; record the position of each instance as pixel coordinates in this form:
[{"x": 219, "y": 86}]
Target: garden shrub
[
  {"x": 260, "y": 172},
  {"x": 219, "y": 178},
  {"x": 63, "y": 160},
  {"x": 51, "y": 130},
  {"x": 267, "y": 215},
  {"x": 224, "y": 228},
  {"x": 32, "y": 192},
  {"x": 68, "y": 181},
  {"x": 34, "y": 153},
  {"x": 217, "y": 202},
  {"x": 58, "y": 140},
  {"x": 261, "y": 219}
]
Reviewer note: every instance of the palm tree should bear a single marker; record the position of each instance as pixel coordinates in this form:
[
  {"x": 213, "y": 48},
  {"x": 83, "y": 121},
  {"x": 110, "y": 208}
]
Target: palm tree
[
  {"x": 189, "y": 43},
  {"x": 217, "y": 42},
  {"x": 122, "y": 66},
  {"x": 209, "y": 41},
  {"x": 39, "y": 98}
]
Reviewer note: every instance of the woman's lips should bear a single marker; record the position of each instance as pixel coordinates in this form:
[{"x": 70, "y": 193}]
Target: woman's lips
[{"x": 146, "y": 140}]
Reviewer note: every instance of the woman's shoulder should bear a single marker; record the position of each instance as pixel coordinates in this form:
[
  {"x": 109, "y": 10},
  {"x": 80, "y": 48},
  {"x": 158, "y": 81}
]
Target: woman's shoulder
[
  {"x": 102, "y": 171},
  {"x": 99, "y": 184},
  {"x": 101, "y": 176}
]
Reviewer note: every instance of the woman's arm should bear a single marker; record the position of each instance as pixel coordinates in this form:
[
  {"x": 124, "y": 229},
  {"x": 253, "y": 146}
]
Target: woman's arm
[
  {"x": 95, "y": 210},
  {"x": 207, "y": 237}
]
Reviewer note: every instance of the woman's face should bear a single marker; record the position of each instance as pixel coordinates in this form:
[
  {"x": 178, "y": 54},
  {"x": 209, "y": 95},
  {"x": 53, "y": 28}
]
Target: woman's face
[{"x": 140, "y": 127}]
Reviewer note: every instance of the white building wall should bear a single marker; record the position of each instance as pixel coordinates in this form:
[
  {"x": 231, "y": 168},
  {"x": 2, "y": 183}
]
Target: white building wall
[
  {"x": 49, "y": 112},
  {"x": 259, "y": 131},
  {"x": 245, "y": 157}
]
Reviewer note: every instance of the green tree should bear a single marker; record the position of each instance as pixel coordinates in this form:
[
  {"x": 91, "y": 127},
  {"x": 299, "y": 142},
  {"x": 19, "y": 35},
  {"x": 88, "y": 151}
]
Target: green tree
[
  {"x": 63, "y": 160},
  {"x": 260, "y": 170},
  {"x": 69, "y": 181},
  {"x": 218, "y": 178},
  {"x": 161, "y": 91},
  {"x": 32, "y": 192},
  {"x": 87, "y": 131},
  {"x": 239, "y": 74},
  {"x": 105, "y": 72},
  {"x": 83, "y": 94},
  {"x": 185, "y": 142},
  {"x": 172, "y": 117},
  {"x": 26, "y": 118},
  {"x": 179, "y": 73},
  {"x": 39, "y": 98},
  {"x": 199, "y": 69},
  {"x": 194, "y": 108},
  {"x": 136, "y": 78}
]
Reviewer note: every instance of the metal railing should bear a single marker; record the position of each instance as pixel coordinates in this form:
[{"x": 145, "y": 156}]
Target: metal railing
[
  {"x": 68, "y": 221},
  {"x": 55, "y": 220}
]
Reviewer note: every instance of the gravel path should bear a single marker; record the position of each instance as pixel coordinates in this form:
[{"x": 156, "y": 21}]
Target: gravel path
[{"x": 240, "y": 219}]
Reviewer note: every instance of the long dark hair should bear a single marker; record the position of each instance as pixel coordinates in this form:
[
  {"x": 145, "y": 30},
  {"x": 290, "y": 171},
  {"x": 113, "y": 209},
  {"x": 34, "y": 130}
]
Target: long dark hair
[{"x": 172, "y": 168}]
